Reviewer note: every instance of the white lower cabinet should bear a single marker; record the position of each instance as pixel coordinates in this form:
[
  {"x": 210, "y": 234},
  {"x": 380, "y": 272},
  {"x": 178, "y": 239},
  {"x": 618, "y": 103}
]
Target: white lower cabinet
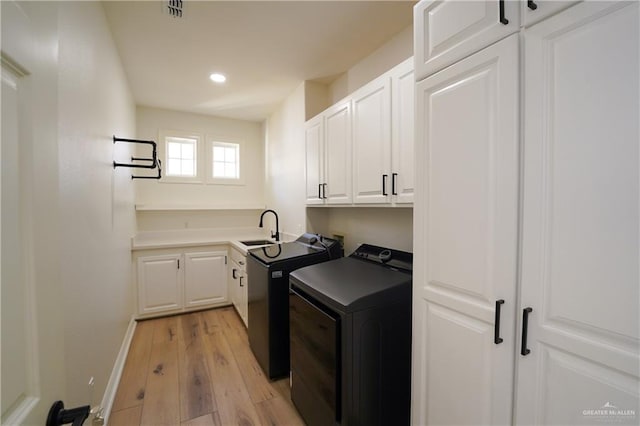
[
  {"x": 159, "y": 283},
  {"x": 526, "y": 272},
  {"x": 183, "y": 280},
  {"x": 205, "y": 278}
]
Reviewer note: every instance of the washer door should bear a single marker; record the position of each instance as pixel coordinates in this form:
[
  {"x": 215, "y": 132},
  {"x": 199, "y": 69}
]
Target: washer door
[{"x": 315, "y": 354}]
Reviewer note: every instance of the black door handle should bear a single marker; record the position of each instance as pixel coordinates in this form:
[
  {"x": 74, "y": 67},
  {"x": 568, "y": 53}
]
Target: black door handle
[
  {"x": 58, "y": 415},
  {"x": 525, "y": 326},
  {"x": 320, "y": 191},
  {"x": 324, "y": 191},
  {"x": 233, "y": 273},
  {"x": 496, "y": 327},
  {"x": 394, "y": 177},
  {"x": 241, "y": 285},
  {"x": 384, "y": 184},
  {"x": 503, "y": 20},
  {"x": 532, "y": 5}
]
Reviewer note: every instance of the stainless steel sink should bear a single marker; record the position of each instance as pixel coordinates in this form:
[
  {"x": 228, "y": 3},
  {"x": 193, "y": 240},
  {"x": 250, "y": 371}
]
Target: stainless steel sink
[{"x": 252, "y": 243}]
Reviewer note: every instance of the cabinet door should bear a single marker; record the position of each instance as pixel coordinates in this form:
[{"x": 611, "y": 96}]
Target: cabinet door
[
  {"x": 234, "y": 273},
  {"x": 372, "y": 142},
  {"x": 580, "y": 248},
  {"x": 159, "y": 283},
  {"x": 402, "y": 132},
  {"x": 205, "y": 278},
  {"x": 447, "y": 31},
  {"x": 314, "y": 155},
  {"x": 537, "y": 10},
  {"x": 338, "y": 154},
  {"x": 243, "y": 284},
  {"x": 465, "y": 235}
]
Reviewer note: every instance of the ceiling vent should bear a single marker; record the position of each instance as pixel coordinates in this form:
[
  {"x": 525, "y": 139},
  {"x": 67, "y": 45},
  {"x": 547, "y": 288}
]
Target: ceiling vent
[{"x": 175, "y": 8}]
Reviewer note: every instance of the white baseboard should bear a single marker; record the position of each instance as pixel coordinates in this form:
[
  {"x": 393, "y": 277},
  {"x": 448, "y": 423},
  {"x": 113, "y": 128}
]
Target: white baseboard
[{"x": 116, "y": 373}]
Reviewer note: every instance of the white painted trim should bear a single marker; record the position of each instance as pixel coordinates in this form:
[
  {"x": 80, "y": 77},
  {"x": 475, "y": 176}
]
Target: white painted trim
[
  {"x": 116, "y": 373},
  {"x": 19, "y": 414}
]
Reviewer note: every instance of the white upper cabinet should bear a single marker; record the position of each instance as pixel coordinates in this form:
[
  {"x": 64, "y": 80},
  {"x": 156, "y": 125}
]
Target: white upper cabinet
[
  {"x": 372, "y": 141},
  {"x": 465, "y": 236},
  {"x": 337, "y": 130},
  {"x": 314, "y": 155},
  {"x": 402, "y": 132},
  {"x": 581, "y": 197},
  {"x": 360, "y": 150},
  {"x": 328, "y": 156},
  {"x": 537, "y": 10},
  {"x": 447, "y": 31}
]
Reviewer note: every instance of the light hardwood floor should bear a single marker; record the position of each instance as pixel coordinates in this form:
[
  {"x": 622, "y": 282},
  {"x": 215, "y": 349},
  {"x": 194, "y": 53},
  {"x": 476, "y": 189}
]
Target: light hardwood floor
[{"x": 197, "y": 369}]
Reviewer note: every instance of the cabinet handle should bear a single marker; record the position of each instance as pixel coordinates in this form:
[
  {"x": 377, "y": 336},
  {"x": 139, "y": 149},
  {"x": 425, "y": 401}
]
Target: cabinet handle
[
  {"x": 532, "y": 5},
  {"x": 320, "y": 191},
  {"x": 241, "y": 285},
  {"x": 241, "y": 262},
  {"x": 178, "y": 263},
  {"x": 525, "y": 326},
  {"x": 496, "y": 330},
  {"x": 394, "y": 177},
  {"x": 324, "y": 191},
  {"x": 503, "y": 20},
  {"x": 233, "y": 273},
  {"x": 384, "y": 184}
]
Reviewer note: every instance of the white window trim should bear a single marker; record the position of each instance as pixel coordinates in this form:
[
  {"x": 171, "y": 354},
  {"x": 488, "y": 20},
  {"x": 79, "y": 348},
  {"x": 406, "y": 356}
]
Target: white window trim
[
  {"x": 162, "y": 154},
  {"x": 209, "y": 159}
]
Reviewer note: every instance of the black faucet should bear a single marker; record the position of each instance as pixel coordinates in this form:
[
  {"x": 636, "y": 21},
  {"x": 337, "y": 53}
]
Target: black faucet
[{"x": 277, "y": 234}]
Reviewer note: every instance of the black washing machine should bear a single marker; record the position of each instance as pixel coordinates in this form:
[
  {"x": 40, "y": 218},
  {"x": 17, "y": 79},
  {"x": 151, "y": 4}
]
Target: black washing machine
[
  {"x": 350, "y": 325},
  {"x": 268, "y": 269}
]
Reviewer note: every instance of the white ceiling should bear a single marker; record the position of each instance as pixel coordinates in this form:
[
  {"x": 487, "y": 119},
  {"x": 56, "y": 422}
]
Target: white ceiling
[{"x": 265, "y": 48}]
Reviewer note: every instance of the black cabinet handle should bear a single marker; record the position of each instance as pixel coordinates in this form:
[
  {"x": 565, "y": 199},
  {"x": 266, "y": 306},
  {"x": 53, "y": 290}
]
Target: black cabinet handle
[
  {"x": 233, "y": 273},
  {"x": 241, "y": 285},
  {"x": 503, "y": 20},
  {"x": 394, "y": 177},
  {"x": 496, "y": 328},
  {"x": 384, "y": 184},
  {"x": 320, "y": 191},
  {"x": 324, "y": 191},
  {"x": 532, "y": 5},
  {"x": 525, "y": 326}
]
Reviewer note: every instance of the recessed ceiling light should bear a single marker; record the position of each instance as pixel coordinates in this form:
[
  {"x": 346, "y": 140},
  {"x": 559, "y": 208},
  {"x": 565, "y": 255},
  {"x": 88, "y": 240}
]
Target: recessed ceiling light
[{"x": 217, "y": 77}]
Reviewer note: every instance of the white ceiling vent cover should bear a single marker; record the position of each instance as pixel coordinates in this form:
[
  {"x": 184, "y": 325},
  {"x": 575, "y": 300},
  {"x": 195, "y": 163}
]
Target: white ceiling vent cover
[{"x": 175, "y": 8}]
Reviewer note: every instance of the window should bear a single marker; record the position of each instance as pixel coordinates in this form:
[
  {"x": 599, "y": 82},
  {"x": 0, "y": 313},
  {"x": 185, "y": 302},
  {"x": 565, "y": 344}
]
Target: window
[
  {"x": 182, "y": 157},
  {"x": 180, "y": 153},
  {"x": 226, "y": 163}
]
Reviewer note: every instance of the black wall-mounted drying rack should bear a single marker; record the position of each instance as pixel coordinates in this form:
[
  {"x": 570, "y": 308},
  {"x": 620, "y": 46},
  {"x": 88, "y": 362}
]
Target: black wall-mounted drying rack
[{"x": 154, "y": 160}]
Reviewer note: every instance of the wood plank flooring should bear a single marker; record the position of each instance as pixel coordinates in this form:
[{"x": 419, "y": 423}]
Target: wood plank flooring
[{"x": 197, "y": 369}]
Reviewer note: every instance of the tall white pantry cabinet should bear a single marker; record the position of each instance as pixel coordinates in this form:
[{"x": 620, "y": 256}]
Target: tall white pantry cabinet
[{"x": 526, "y": 215}]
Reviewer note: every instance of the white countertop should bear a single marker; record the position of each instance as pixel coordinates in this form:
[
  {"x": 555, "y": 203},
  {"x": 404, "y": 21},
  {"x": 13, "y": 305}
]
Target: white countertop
[{"x": 147, "y": 240}]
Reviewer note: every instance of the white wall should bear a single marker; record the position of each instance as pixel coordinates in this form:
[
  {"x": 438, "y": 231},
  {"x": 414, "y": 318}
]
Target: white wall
[
  {"x": 284, "y": 141},
  {"x": 285, "y": 160},
  {"x": 96, "y": 202},
  {"x": 394, "y": 51},
  {"x": 151, "y": 192},
  {"x": 162, "y": 220},
  {"x": 387, "y": 227}
]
